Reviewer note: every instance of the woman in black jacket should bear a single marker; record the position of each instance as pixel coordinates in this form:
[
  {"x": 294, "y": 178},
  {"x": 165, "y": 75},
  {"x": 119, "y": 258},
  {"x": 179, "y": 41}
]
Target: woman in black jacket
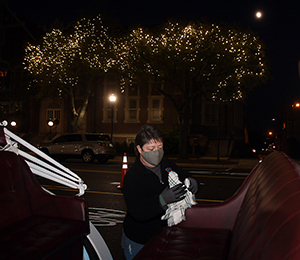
[{"x": 146, "y": 190}]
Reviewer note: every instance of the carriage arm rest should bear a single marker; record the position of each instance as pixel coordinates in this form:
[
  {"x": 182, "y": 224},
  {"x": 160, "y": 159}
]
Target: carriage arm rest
[
  {"x": 221, "y": 215},
  {"x": 45, "y": 204}
]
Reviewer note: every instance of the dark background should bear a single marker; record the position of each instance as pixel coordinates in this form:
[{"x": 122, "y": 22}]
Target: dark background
[{"x": 278, "y": 28}]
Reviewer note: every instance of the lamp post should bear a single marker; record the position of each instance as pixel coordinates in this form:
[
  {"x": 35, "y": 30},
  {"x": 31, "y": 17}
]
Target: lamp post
[
  {"x": 112, "y": 99},
  {"x": 50, "y": 124}
]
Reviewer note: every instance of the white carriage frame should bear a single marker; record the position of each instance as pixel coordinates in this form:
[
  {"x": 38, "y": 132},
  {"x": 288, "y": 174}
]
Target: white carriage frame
[{"x": 52, "y": 170}]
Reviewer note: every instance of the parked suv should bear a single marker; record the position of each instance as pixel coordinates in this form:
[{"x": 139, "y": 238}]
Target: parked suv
[{"x": 88, "y": 146}]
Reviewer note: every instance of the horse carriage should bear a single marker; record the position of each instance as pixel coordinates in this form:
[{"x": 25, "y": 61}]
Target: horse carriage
[{"x": 36, "y": 223}]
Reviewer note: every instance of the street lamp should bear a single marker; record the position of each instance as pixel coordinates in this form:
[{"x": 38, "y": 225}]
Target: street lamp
[
  {"x": 50, "y": 124},
  {"x": 112, "y": 99}
]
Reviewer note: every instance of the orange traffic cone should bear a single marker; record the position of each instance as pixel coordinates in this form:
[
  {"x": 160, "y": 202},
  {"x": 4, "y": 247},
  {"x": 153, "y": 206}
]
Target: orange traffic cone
[{"x": 124, "y": 170}]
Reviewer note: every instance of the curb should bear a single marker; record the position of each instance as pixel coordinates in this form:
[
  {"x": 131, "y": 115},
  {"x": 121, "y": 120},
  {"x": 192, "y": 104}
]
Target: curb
[{"x": 205, "y": 162}]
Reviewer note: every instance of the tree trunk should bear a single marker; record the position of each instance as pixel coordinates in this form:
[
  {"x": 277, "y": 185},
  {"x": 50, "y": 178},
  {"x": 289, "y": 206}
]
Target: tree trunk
[
  {"x": 184, "y": 124},
  {"x": 183, "y": 142},
  {"x": 185, "y": 117},
  {"x": 78, "y": 117}
]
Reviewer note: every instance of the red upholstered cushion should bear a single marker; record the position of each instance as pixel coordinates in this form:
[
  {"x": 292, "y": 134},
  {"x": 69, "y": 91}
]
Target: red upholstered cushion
[
  {"x": 268, "y": 225},
  {"x": 33, "y": 223},
  {"x": 21, "y": 195},
  {"x": 38, "y": 237},
  {"x": 176, "y": 243}
]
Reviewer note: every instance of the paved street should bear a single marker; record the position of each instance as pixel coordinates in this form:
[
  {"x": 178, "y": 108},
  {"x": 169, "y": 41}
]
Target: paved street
[{"x": 106, "y": 205}]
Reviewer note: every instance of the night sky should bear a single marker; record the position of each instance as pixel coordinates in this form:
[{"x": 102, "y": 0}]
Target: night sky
[{"x": 279, "y": 28}]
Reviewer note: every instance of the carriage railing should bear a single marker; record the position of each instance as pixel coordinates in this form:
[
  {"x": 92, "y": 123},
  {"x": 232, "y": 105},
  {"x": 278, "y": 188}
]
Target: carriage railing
[{"x": 45, "y": 167}]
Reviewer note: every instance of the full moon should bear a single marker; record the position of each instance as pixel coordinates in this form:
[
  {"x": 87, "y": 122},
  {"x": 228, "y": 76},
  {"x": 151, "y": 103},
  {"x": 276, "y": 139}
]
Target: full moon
[{"x": 258, "y": 14}]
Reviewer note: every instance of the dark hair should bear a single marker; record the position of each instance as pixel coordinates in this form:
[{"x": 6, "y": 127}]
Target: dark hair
[{"x": 147, "y": 133}]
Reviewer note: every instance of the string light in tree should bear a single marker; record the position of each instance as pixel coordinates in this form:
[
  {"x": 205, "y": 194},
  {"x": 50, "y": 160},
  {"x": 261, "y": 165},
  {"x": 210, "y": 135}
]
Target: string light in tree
[
  {"x": 56, "y": 59},
  {"x": 207, "y": 54}
]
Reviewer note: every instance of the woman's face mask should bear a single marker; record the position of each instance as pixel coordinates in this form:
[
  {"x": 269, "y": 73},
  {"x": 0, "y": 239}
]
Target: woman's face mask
[
  {"x": 152, "y": 152},
  {"x": 153, "y": 157}
]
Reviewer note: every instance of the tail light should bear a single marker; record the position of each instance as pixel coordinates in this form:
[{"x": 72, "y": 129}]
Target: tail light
[{"x": 100, "y": 144}]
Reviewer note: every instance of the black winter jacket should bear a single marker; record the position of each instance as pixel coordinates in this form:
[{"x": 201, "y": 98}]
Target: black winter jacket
[{"x": 141, "y": 190}]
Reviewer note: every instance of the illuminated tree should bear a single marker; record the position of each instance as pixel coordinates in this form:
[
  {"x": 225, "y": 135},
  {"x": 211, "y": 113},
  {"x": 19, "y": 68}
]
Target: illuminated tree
[
  {"x": 218, "y": 62},
  {"x": 67, "y": 65}
]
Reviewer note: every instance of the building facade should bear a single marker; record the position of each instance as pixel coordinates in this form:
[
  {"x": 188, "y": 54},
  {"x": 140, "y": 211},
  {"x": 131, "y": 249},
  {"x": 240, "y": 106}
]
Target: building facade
[{"x": 140, "y": 104}]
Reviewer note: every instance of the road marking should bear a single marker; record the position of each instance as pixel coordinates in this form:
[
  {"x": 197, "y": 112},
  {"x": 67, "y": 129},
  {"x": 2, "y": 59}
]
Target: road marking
[
  {"x": 219, "y": 173},
  {"x": 207, "y": 200},
  {"x": 201, "y": 172},
  {"x": 84, "y": 170},
  {"x": 104, "y": 192},
  {"x": 226, "y": 172},
  {"x": 103, "y": 217},
  {"x": 220, "y": 177},
  {"x": 53, "y": 187},
  {"x": 240, "y": 173}
]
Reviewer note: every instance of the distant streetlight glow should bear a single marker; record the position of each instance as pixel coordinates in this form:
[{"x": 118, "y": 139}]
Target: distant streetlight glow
[
  {"x": 258, "y": 15},
  {"x": 112, "y": 98},
  {"x": 50, "y": 123},
  {"x": 297, "y": 105}
]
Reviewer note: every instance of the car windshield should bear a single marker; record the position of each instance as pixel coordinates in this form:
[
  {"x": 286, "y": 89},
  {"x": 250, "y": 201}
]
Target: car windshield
[{"x": 97, "y": 137}]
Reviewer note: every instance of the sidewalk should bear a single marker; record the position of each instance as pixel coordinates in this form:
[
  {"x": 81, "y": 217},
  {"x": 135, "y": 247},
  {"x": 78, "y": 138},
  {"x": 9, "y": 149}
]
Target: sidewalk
[{"x": 205, "y": 162}]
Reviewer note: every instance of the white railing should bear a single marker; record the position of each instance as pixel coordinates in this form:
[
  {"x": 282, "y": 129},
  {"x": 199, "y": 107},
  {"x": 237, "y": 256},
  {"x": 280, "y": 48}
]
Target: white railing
[
  {"x": 47, "y": 167},
  {"x": 54, "y": 171}
]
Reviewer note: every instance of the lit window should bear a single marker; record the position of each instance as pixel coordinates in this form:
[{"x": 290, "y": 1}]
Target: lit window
[
  {"x": 155, "y": 109},
  {"x": 155, "y": 101},
  {"x": 53, "y": 113},
  {"x": 132, "y": 104},
  {"x": 132, "y": 109}
]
